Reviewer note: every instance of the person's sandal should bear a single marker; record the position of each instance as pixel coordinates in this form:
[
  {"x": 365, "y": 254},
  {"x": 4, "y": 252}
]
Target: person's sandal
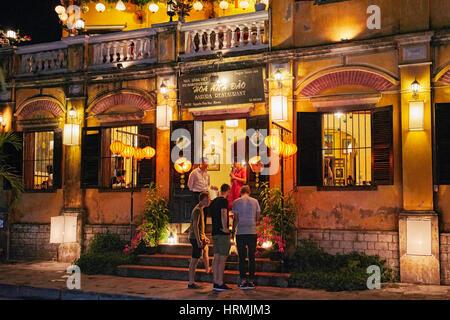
[
  {"x": 243, "y": 285},
  {"x": 194, "y": 286}
]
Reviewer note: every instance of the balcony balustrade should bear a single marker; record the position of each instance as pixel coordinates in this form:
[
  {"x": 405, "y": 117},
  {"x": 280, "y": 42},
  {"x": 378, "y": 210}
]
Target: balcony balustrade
[
  {"x": 131, "y": 47},
  {"x": 238, "y": 33},
  {"x": 43, "y": 58},
  {"x": 232, "y": 33}
]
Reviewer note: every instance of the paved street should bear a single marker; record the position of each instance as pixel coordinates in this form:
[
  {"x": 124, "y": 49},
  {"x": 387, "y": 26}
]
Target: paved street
[{"x": 51, "y": 275}]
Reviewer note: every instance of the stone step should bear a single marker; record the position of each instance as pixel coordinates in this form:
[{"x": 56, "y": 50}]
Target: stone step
[
  {"x": 180, "y": 261},
  {"x": 180, "y": 249},
  {"x": 181, "y": 274}
]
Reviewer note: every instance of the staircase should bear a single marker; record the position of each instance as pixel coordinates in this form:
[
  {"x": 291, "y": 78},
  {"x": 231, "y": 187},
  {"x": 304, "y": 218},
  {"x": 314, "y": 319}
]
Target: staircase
[{"x": 171, "y": 262}]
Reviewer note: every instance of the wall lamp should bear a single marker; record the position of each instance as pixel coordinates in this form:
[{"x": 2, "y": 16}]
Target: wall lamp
[{"x": 415, "y": 88}]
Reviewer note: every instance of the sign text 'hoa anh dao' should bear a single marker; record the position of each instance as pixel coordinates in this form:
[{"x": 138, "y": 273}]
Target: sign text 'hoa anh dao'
[{"x": 222, "y": 88}]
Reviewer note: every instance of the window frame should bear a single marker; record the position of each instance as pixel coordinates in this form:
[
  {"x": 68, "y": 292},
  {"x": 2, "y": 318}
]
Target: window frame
[
  {"x": 24, "y": 177},
  {"x": 99, "y": 187},
  {"x": 321, "y": 186},
  {"x": 312, "y": 132}
]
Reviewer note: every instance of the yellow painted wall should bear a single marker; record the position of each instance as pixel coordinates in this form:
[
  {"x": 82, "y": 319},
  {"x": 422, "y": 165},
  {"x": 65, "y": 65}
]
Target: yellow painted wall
[
  {"x": 322, "y": 24},
  {"x": 417, "y": 145}
]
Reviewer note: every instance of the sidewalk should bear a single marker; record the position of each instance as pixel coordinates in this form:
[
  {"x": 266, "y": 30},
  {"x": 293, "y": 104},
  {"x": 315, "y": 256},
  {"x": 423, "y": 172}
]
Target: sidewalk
[{"x": 47, "y": 280}]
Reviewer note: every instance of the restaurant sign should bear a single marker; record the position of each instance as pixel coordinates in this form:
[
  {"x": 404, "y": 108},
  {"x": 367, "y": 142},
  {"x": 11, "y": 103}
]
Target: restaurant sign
[{"x": 222, "y": 88}]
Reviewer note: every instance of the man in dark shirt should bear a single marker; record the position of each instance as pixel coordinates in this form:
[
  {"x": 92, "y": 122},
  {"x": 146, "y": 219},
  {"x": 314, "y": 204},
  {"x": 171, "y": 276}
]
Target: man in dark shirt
[{"x": 218, "y": 211}]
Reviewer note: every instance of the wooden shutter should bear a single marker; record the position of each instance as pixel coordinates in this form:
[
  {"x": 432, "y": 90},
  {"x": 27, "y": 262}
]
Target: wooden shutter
[
  {"x": 90, "y": 157},
  {"x": 57, "y": 159},
  {"x": 443, "y": 143},
  {"x": 257, "y": 123},
  {"x": 309, "y": 140},
  {"x": 181, "y": 200},
  {"x": 382, "y": 146},
  {"x": 13, "y": 159},
  {"x": 147, "y": 167}
]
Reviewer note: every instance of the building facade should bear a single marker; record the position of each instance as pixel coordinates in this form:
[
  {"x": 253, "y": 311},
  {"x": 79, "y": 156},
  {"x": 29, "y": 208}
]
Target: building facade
[{"x": 361, "y": 87}]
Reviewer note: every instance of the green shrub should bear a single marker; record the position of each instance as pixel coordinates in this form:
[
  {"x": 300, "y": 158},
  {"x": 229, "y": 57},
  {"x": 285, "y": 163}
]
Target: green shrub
[
  {"x": 104, "y": 254},
  {"x": 313, "y": 268},
  {"x": 105, "y": 243},
  {"x": 102, "y": 262}
]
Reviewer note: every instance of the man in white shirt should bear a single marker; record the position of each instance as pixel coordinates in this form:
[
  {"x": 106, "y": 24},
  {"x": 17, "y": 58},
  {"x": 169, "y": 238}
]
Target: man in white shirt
[{"x": 199, "y": 180}]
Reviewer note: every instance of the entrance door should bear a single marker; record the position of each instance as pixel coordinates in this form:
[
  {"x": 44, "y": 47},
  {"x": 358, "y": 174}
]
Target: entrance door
[{"x": 181, "y": 199}]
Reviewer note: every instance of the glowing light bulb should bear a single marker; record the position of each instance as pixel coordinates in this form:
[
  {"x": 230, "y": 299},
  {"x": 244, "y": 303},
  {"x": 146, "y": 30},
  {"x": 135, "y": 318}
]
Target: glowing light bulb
[
  {"x": 153, "y": 7},
  {"x": 243, "y": 4},
  {"x": 60, "y": 10},
  {"x": 223, "y": 5},
  {"x": 11, "y": 34},
  {"x": 63, "y": 17},
  {"x": 198, "y": 6},
  {"x": 120, "y": 6},
  {"x": 100, "y": 7}
]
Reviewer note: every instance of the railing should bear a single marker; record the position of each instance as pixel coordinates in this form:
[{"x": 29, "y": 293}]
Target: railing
[
  {"x": 225, "y": 34},
  {"x": 43, "y": 58},
  {"x": 129, "y": 47}
]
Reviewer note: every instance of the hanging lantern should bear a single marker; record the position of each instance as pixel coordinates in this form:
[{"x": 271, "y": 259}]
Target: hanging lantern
[
  {"x": 182, "y": 165},
  {"x": 139, "y": 154},
  {"x": 71, "y": 135},
  {"x": 149, "y": 152},
  {"x": 60, "y": 10},
  {"x": 117, "y": 147},
  {"x": 128, "y": 152},
  {"x": 120, "y": 6},
  {"x": 79, "y": 24},
  {"x": 163, "y": 117},
  {"x": 223, "y": 4},
  {"x": 153, "y": 7},
  {"x": 100, "y": 7},
  {"x": 198, "y": 6}
]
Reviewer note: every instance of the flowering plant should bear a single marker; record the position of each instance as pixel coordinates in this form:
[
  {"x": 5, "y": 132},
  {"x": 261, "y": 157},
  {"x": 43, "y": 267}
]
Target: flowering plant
[
  {"x": 153, "y": 227},
  {"x": 144, "y": 233},
  {"x": 267, "y": 235}
]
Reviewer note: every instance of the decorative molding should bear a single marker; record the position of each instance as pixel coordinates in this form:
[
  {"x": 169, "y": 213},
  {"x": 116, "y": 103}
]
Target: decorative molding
[
  {"x": 40, "y": 103},
  {"x": 109, "y": 100},
  {"x": 351, "y": 76}
]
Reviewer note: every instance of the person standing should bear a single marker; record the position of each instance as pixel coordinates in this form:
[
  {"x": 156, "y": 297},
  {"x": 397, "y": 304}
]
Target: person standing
[
  {"x": 197, "y": 237},
  {"x": 246, "y": 217},
  {"x": 238, "y": 179},
  {"x": 198, "y": 182},
  {"x": 221, "y": 236}
]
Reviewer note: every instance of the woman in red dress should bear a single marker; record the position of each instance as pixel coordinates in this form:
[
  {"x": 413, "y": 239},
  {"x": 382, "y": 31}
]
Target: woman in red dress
[{"x": 238, "y": 179}]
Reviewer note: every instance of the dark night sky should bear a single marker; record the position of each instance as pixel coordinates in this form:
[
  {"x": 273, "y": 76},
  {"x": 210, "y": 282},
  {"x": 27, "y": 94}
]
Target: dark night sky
[{"x": 35, "y": 18}]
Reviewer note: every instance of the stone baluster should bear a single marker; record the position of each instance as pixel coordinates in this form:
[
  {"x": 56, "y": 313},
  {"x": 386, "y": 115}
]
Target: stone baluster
[
  {"x": 208, "y": 39},
  {"x": 258, "y": 34},
  {"x": 233, "y": 36},
  {"x": 146, "y": 54}
]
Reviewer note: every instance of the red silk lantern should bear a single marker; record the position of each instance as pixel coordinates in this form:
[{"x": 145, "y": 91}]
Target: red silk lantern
[{"x": 117, "y": 147}]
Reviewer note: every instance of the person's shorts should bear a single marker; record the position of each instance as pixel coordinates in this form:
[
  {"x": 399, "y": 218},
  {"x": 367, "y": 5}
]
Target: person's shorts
[
  {"x": 196, "y": 250},
  {"x": 222, "y": 244}
]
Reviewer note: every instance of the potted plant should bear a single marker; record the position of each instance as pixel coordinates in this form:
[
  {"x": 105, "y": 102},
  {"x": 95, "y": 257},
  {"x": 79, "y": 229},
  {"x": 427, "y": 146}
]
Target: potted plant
[
  {"x": 154, "y": 225},
  {"x": 278, "y": 223}
]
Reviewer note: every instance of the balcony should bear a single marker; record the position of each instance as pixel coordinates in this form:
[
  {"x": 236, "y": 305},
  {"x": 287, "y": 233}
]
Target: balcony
[
  {"x": 240, "y": 34},
  {"x": 45, "y": 58},
  {"x": 127, "y": 47},
  {"x": 226, "y": 34}
]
